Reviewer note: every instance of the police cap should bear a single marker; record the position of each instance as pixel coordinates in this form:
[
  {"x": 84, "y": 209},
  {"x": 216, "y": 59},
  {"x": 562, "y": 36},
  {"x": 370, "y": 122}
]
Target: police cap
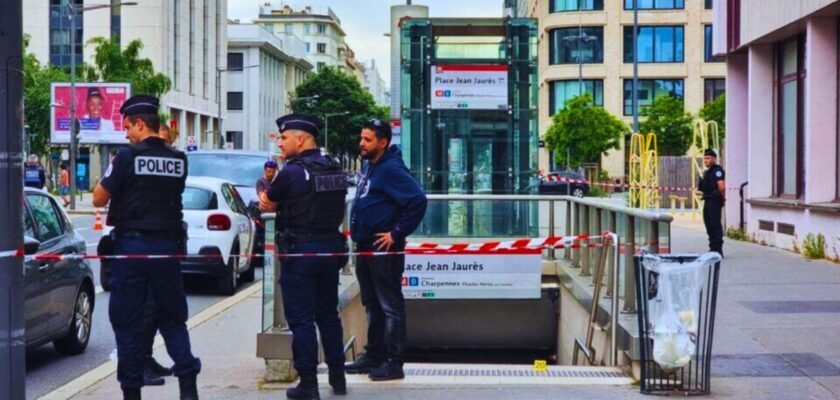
[
  {"x": 140, "y": 105},
  {"x": 710, "y": 152},
  {"x": 300, "y": 122}
]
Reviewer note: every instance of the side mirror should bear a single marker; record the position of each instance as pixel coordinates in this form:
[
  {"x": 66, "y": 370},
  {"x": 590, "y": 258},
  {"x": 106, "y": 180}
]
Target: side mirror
[{"x": 30, "y": 245}]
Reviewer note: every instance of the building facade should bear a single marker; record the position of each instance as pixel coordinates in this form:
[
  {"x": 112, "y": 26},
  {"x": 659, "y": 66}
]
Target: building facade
[
  {"x": 376, "y": 85},
  {"x": 782, "y": 118},
  {"x": 587, "y": 46},
  {"x": 320, "y": 30},
  {"x": 262, "y": 72},
  {"x": 185, "y": 40},
  {"x": 469, "y": 120}
]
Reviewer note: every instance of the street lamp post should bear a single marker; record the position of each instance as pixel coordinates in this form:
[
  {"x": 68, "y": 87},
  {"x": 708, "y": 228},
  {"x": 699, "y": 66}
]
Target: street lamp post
[
  {"x": 71, "y": 11},
  {"x": 327, "y": 127},
  {"x": 219, "y": 71}
]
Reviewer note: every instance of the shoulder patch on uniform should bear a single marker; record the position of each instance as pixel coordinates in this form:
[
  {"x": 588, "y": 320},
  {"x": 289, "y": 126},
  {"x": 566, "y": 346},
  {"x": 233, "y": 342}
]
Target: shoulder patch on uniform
[
  {"x": 109, "y": 170},
  {"x": 718, "y": 174},
  {"x": 159, "y": 166}
]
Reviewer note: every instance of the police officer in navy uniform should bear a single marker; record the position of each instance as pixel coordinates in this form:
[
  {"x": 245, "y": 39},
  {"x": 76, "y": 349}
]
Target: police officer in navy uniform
[
  {"x": 713, "y": 186},
  {"x": 33, "y": 173},
  {"x": 144, "y": 184},
  {"x": 308, "y": 195}
]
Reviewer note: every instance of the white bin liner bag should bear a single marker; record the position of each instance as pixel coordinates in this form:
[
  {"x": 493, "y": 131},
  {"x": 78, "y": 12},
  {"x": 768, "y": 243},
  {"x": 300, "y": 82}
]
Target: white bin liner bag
[{"x": 674, "y": 306}]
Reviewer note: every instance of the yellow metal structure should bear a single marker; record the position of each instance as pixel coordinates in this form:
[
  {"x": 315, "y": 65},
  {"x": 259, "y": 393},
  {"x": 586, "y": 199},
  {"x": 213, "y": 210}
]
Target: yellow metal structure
[
  {"x": 705, "y": 137},
  {"x": 644, "y": 175}
]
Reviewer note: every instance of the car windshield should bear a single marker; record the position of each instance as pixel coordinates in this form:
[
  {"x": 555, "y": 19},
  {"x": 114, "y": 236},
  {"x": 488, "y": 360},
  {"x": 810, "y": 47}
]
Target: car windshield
[
  {"x": 240, "y": 169},
  {"x": 196, "y": 199}
]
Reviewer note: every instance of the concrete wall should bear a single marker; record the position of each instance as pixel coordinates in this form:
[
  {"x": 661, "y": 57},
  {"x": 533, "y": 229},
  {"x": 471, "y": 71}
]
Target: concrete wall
[{"x": 766, "y": 16}]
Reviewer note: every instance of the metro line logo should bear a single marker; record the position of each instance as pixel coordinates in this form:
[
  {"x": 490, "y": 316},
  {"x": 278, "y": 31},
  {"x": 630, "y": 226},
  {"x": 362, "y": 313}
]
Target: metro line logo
[
  {"x": 405, "y": 281},
  {"x": 443, "y": 93}
]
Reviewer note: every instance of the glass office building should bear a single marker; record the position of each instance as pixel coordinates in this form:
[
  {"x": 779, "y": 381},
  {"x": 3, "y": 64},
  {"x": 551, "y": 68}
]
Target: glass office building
[{"x": 469, "y": 120}]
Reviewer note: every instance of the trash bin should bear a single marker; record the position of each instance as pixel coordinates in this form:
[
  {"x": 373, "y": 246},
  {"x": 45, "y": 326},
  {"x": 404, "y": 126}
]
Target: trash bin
[{"x": 676, "y": 297}]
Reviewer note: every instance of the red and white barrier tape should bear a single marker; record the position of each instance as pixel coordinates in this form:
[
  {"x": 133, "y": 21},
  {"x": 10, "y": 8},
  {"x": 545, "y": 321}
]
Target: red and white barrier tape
[
  {"x": 11, "y": 253},
  {"x": 555, "y": 178}
]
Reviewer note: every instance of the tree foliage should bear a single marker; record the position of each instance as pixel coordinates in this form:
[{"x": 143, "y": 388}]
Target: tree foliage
[
  {"x": 716, "y": 111},
  {"x": 586, "y": 130},
  {"x": 667, "y": 118},
  {"x": 113, "y": 64},
  {"x": 338, "y": 92}
]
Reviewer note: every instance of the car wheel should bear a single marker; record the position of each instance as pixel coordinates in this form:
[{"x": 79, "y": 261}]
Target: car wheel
[
  {"x": 105, "y": 275},
  {"x": 78, "y": 335},
  {"x": 227, "y": 284},
  {"x": 578, "y": 192}
]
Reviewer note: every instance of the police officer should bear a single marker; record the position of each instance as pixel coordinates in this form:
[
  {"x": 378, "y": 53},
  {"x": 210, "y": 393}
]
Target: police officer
[
  {"x": 713, "y": 186},
  {"x": 33, "y": 173},
  {"x": 308, "y": 196},
  {"x": 144, "y": 184}
]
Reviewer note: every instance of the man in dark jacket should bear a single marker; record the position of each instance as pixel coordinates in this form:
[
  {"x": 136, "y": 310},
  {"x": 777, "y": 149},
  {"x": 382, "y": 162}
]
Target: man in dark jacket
[{"x": 389, "y": 206}]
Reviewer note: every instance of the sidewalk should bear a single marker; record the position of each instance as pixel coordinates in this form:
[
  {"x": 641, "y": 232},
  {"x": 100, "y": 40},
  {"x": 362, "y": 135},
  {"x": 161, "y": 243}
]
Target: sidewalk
[
  {"x": 84, "y": 206},
  {"x": 777, "y": 337}
]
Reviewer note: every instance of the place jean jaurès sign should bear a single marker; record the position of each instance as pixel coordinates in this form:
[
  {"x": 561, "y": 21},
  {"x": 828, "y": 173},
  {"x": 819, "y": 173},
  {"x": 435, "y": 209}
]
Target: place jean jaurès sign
[{"x": 469, "y": 87}]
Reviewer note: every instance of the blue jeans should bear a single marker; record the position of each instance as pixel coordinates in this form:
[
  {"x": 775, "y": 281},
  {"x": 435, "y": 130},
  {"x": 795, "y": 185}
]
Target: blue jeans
[
  {"x": 131, "y": 282},
  {"x": 310, "y": 296},
  {"x": 380, "y": 283}
]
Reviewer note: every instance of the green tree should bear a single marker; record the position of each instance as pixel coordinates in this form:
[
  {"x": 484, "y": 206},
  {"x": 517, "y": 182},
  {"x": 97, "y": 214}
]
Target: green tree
[
  {"x": 716, "y": 111},
  {"x": 588, "y": 131},
  {"x": 667, "y": 118},
  {"x": 113, "y": 64},
  {"x": 338, "y": 92}
]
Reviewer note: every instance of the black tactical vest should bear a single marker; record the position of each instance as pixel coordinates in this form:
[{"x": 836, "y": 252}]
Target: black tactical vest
[
  {"x": 151, "y": 200},
  {"x": 708, "y": 184},
  {"x": 321, "y": 209},
  {"x": 32, "y": 176}
]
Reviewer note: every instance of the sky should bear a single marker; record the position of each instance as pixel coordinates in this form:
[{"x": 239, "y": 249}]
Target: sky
[{"x": 365, "y": 21}]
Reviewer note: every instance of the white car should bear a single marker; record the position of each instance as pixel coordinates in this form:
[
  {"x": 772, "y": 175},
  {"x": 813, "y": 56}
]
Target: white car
[{"x": 217, "y": 226}]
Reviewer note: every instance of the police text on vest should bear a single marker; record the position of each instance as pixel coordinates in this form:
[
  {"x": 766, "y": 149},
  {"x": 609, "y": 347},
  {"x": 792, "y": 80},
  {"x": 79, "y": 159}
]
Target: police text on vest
[{"x": 159, "y": 166}]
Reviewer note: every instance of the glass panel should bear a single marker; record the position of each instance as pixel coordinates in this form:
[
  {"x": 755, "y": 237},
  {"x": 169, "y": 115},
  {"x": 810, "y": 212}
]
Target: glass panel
[
  {"x": 575, "y": 5},
  {"x": 790, "y": 58},
  {"x": 562, "y": 91},
  {"x": 664, "y": 44},
  {"x": 196, "y": 199},
  {"x": 788, "y": 135},
  {"x": 46, "y": 217},
  {"x": 679, "y": 40},
  {"x": 646, "y": 40},
  {"x": 567, "y": 44}
]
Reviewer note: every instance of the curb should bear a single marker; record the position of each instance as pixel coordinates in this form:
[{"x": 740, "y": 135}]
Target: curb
[
  {"x": 108, "y": 368},
  {"x": 80, "y": 212}
]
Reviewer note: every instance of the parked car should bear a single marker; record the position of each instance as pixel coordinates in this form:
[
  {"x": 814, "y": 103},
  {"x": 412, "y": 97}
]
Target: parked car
[
  {"x": 242, "y": 168},
  {"x": 218, "y": 225},
  {"x": 59, "y": 295},
  {"x": 578, "y": 188}
]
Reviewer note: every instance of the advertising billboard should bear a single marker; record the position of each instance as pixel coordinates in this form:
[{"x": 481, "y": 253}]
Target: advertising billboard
[
  {"x": 97, "y": 109},
  {"x": 469, "y": 87}
]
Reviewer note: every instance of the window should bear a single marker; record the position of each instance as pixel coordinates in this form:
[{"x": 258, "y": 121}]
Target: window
[
  {"x": 708, "y": 55},
  {"x": 789, "y": 107},
  {"x": 234, "y": 101},
  {"x": 655, "y": 4},
  {"x": 28, "y": 225},
  {"x": 288, "y": 28},
  {"x": 235, "y": 61},
  {"x": 321, "y": 65},
  {"x": 575, "y": 5},
  {"x": 322, "y": 48},
  {"x": 561, "y": 91},
  {"x": 649, "y": 89},
  {"x": 713, "y": 88},
  {"x": 709, "y": 4},
  {"x": 232, "y": 198},
  {"x": 322, "y": 28},
  {"x": 307, "y": 28},
  {"x": 308, "y": 46},
  {"x": 48, "y": 225},
  {"x": 573, "y": 45},
  {"x": 116, "y": 21},
  {"x": 657, "y": 44},
  {"x": 198, "y": 199},
  {"x": 60, "y": 50},
  {"x": 234, "y": 138}
]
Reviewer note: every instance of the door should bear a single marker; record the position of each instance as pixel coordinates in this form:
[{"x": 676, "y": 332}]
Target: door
[
  {"x": 59, "y": 277},
  {"x": 241, "y": 222},
  {"x": 36, "y": 288}
]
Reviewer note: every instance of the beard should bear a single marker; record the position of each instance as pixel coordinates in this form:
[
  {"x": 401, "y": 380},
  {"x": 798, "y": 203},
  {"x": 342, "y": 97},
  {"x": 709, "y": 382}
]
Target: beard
[{"x": 367, "y": 155}]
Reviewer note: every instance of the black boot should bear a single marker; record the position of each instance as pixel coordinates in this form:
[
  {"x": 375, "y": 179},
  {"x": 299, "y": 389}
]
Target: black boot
[
  {"x": 389, "y": 370},
  {"x": 338, "y": 382},
  {"x": 131, "y": 394},
  {"x": 363, "y": 364},
  {"x": 307, "y": 389},
  {"x": 150, "y": 378},
  {"x": 189, "y": 389},
  {"x": 159, "y": 370}
]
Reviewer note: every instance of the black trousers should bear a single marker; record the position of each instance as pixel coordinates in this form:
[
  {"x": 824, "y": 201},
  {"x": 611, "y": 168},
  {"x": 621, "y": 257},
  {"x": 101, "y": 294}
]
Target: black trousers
[
  {"x": 310, "y": 297},
  {"x": 380, "y": 283},
  {"x": 712, "y": 219},
  {"x": 150, "y": 325}
]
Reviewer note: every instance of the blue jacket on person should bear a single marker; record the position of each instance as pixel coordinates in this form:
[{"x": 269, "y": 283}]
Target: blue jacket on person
[{"x": 388, "y": 199}]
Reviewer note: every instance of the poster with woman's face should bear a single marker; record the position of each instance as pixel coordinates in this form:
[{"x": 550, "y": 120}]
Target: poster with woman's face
[{"x": 97, "y": 110}]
